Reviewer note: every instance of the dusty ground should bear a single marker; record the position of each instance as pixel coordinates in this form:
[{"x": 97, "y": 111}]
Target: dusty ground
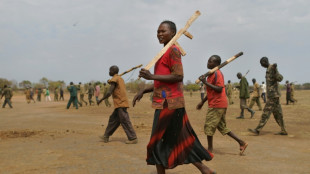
[{"x": 44, "y": 137}]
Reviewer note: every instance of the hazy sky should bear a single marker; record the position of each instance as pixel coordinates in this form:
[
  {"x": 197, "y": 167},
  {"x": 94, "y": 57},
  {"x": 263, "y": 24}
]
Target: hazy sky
[{"x": 78, "y": 40}]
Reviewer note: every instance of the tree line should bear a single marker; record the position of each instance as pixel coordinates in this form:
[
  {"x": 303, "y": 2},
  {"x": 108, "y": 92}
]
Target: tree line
[{"x": 132, "y": 85}]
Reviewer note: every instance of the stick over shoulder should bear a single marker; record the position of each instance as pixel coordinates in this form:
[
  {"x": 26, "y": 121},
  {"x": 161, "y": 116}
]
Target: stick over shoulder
[
  {"x": 174, "y": 40},
  {"x": 220, "y": 66}
]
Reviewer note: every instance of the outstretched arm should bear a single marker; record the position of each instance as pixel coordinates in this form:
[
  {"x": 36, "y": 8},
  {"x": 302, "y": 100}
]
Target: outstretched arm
[{"x": 139, "y": 95}]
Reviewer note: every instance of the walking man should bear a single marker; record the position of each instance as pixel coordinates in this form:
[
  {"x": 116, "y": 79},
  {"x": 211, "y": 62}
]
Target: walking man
[
  {"x": 90, "y": 93},
  {"x": 229, "y": 92},
  {"x": 273, "y": 77},
  {"x": 244, "y": 95},
  {"x": 73, "y": 96},
  {"x": 263, "y": 91},
  {"x": 120, "y": 115},
  {"x": 255, "y": 97},
  {"x": 8, "y": 94},
  {"x": 82, "y": 92}
]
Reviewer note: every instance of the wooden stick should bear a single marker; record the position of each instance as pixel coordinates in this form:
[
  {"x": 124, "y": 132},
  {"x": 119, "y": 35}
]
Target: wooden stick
[
  {"x": 130, "y": 70},
  {"x": 220, "y": 66},
  {"x": 181, "y": 49},
  {"x": 173, "y": 40}
]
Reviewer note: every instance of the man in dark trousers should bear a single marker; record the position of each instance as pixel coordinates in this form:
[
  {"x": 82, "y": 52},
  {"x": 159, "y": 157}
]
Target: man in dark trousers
[
  {"x": 244, "y": 95},
  {"x": 73, "y": 96},
  {"x": 7, "y": 93},
  {"x": 120, "y": 115}
]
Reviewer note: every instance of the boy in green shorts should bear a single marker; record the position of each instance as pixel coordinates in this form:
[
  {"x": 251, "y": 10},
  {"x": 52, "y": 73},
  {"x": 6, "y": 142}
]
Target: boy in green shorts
[{"x": 217, "y": 102}]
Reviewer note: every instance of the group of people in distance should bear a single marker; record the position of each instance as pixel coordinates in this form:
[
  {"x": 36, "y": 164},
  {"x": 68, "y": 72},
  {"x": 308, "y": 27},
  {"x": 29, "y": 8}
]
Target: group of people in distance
[{"x": 90, "y": 91}]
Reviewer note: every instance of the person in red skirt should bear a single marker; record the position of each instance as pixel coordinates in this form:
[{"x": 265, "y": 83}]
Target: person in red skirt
[{"x": 173, "y": 141}]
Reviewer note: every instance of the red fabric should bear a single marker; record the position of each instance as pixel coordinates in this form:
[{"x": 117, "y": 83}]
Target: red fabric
[
  {"x": 215, "y": 99},
  {"x": 169, "y": 63}
]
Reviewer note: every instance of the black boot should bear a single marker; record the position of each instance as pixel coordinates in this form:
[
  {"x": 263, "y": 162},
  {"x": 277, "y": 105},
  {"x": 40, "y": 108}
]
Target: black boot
[
  {"x": 241, "y": 115},
  {"x": 252, "y": 112}
]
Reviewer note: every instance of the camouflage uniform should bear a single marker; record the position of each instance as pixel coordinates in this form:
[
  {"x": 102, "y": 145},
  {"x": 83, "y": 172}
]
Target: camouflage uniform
[
  {"x": 105, "y": 91},
  {"x": 7, "y": 93},
  {"x": 27, "y": 92},
  {"x": 255, "y": 98},
  {"x": 293, "y": 92},
  {"x": 229, "y": 93},
  {"x": 91, "y": 91},
  {"x": 82, "y": 92},
  {"x": 273, "y": 77}
]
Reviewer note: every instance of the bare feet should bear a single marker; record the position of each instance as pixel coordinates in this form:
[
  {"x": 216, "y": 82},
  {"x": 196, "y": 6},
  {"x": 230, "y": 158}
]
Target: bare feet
[{"x": 243, "y": 147}]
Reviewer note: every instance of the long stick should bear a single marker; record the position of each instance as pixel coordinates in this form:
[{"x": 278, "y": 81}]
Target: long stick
[
  {"x": 174, "y": 39},
  {"x": 131, "y": 69},
  {"x": 220, "y": 66},
  {"x": 128, "y": 71}
]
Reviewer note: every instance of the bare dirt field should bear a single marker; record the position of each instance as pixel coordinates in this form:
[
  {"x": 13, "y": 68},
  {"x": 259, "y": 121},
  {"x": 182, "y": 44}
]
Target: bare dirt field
[{"x": 45, "y": 137}]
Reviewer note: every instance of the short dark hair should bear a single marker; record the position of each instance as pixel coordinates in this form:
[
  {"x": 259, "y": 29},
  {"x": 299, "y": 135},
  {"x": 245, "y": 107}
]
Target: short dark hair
[
  {"x": 114, "y": 68},
  {"x": 71, "y": 83},
  {"x": 171, "y": 24},
  {"x": 217, "y": 59},
  {"x": 264, "y": 59}
]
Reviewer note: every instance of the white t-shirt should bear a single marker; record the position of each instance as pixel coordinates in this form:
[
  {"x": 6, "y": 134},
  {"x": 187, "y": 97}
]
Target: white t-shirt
[{"x": 263, "y": 88}]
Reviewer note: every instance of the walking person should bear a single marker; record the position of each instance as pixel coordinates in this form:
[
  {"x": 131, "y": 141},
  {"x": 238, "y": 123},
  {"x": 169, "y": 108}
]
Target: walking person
[
  {"x": 217, "y": 105},
  {"x": 293, "y": 92},
  {"x": 39, "y": 94},
  {"x": 56, "y": 91},
  {"x": 263, "y": 87},
  {"x": 47, "y": 95},
  {"x": 61, "y": 92},
  {"x": 173, "y": 141},
  {"x": 288, "y": 93},
  {"x": 73, "y": 96},
  {"x": 120, "y": 115},
  {"x": 8, "y": 94},
  {"x": 273, "y": 77},
  {"x": 255, "y": 97},
  {"x": 229, "y": 92},
  {"x": 90, "y": 93},
  {"x": 105, "y": 91},
  {"x": 82, "y": 93},
  {"x": 202, "y": 91},
  {"x": 97, "y": 92},
  {"x": 244, "y": 95}
]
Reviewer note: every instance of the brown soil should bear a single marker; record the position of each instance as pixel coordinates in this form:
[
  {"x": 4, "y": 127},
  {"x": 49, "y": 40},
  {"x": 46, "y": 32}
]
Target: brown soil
[{"x": 44, "y": 137}]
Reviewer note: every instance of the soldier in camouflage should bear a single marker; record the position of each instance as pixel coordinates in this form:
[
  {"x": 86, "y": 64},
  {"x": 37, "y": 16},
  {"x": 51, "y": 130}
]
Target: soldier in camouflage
[
  {"x": 255, "y": 97},
  {"x": 7, "y": 93},
  {"x": 82, "y": 93},
  {"x": 91, "y": 91},
  {"x": 229, "y": 92},
  {"x": 273, "y": 77}
]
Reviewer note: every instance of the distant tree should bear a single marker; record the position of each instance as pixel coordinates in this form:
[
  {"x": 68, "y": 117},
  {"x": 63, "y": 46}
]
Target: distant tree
[
  {"x": 306, "y": 86},
  {"x": 55, "y": 84},
  {"x": 25, "y": 84},
  {"x": 4, "y": 81},
  {"x": 192, "y": 86},
  {"x": 44, "y": 81}
]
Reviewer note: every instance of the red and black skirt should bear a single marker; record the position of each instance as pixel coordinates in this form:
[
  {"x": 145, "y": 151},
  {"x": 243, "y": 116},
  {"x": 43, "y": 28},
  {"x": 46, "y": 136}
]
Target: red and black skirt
[{"x": 173, "y": 141}]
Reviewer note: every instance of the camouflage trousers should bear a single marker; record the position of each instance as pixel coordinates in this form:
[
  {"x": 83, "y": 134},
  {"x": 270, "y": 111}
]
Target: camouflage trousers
[
  {"x": 257, "y": 101},
  {"x": 272, "y": 106}
]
